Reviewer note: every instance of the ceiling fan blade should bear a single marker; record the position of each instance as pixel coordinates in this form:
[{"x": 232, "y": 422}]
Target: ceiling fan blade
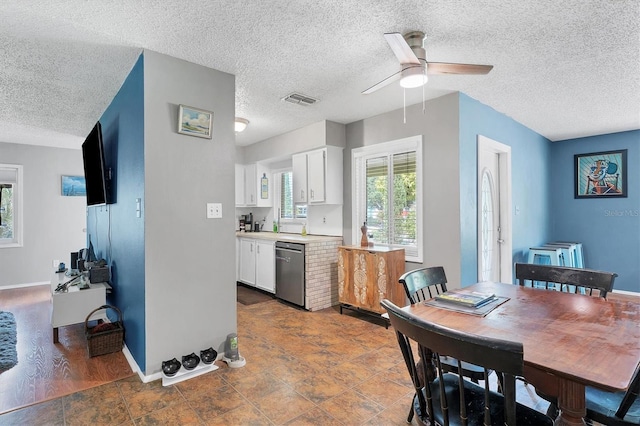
[
  {"x": 381, "y": 84},
  {"x": 401, "y": 49},
  {"x": 434, "y": 68}
]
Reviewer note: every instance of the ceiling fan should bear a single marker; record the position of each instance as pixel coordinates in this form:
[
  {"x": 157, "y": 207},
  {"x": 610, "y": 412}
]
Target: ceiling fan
[{"x": 414, "y": 66}]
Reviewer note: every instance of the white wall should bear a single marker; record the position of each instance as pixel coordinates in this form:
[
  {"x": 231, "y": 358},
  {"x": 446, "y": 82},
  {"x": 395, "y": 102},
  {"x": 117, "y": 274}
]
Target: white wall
[
  {"x": 441, "y": 156},
  {"x": 53, "y": 225},
  {"x": 189, "y": 259}
]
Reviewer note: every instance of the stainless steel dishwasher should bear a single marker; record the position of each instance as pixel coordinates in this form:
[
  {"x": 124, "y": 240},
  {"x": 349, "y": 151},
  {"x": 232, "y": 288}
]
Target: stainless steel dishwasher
[{"x": 290, "y": 282}]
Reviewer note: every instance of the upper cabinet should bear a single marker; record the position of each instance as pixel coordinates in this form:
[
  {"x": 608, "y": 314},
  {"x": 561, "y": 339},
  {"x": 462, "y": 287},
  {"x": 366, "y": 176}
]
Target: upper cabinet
[
  {"x": 253, "y": 186},
  {"x": 317, "y": 176}
]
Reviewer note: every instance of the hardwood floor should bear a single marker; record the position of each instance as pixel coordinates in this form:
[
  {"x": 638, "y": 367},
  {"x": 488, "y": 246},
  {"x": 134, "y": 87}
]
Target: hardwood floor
[{"x": 46, "y": 371}]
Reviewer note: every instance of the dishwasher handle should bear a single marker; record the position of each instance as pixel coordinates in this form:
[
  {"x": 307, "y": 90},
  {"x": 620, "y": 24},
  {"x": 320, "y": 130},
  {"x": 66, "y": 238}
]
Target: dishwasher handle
[{"x": 289, "y": 250}]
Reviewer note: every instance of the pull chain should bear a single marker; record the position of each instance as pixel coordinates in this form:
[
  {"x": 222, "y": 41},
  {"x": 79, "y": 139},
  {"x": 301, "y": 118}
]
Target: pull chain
[{"x": 404, "y": 105}]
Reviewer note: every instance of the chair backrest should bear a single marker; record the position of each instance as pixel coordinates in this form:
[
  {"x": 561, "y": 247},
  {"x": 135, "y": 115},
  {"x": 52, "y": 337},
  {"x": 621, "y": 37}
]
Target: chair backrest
[
  {"x": 423, "y": 284},
  {"x": 566, "y": 278},
  {"x": 492, "y": 354}
]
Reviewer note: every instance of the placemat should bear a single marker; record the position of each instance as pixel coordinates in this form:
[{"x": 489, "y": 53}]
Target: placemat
[{"x": 481, "y": 311}]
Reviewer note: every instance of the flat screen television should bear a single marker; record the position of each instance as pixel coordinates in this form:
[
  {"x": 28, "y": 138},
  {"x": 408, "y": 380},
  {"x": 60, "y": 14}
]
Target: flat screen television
[{"x": 95, "y": 172}]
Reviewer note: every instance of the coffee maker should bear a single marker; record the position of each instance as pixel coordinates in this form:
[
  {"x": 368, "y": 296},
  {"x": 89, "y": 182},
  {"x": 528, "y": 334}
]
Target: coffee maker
[{"x": 246, "y": 222}]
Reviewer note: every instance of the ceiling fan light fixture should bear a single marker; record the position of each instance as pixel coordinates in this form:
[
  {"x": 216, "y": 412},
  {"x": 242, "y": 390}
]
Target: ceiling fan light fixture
[
  {"x": 413, "y": 77},
  {"x": 240, "y": 124}
]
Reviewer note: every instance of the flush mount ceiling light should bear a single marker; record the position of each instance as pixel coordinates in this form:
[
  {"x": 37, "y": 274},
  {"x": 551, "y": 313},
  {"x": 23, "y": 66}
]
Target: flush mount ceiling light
[{"x": 241, "y": 124}]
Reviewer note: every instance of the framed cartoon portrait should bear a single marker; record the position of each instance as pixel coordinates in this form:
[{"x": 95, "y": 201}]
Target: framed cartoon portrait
[{"x": 601, "y": 174}]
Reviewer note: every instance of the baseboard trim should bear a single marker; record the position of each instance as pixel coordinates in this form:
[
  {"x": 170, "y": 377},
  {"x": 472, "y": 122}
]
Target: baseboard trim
[
  {"x": 626, "y": 293},
  {"x": 136, "y": 369}
]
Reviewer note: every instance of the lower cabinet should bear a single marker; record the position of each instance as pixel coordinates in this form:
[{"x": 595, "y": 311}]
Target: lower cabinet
[
  {"x": 366, "y": 275},
  {"x": 257, "y": 264}
]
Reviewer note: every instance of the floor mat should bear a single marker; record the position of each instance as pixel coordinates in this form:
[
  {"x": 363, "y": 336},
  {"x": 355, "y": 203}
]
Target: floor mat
[
  {"x": 249, "y": 296},
  {"x": 8, "y": 353}
]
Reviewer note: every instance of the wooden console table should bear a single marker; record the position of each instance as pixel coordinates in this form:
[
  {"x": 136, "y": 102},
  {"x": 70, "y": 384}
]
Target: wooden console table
[
  {"x": 73, "y": 306},
  {"x": 366, "y": 275}
]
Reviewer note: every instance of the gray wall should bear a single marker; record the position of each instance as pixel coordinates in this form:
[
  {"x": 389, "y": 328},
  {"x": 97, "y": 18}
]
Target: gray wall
[
  {"x": 53, "y": 225},
  {"x": 313, "y": 136},
  {"x": 440, "y": 148},
  {"x": 190, "y": 260}
]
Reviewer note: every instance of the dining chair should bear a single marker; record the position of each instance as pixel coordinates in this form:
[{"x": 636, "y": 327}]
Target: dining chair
[
  {"x": 449, "y": 399},
  {"x": 566, "y": 279},
  {"x": 574, "y": 280},
  {"x": 426, "y": 283},
  {"x": 615, "y": 408}
]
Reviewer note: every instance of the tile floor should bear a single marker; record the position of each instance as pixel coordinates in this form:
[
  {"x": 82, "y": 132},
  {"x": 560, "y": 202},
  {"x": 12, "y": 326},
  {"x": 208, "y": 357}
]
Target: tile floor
[{"x": 303, "y": 368}]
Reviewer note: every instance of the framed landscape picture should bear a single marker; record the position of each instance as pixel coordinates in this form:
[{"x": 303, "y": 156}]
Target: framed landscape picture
[
  {"x": 601, "y": 174},
  {"x": 73, "y": 186},
  {"x": 195, "y": 122}
]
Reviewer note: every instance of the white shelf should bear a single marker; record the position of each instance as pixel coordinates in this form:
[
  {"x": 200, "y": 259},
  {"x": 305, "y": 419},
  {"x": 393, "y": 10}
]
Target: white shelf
[{"x": 184, "y": 374}]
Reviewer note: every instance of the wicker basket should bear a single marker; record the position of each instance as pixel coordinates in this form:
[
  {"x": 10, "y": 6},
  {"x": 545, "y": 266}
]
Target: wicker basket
[{"x": 104, "y": 342}]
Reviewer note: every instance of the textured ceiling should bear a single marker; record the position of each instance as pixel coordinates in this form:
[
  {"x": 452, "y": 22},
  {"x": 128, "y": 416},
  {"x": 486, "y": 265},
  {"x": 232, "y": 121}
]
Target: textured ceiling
[{"x": 565, "y": 69}]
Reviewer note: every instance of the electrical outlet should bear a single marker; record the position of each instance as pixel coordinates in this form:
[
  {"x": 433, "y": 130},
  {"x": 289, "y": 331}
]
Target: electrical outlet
[
  {"x": 214, "y": 210},
  {"x": 55, "y": 263}
]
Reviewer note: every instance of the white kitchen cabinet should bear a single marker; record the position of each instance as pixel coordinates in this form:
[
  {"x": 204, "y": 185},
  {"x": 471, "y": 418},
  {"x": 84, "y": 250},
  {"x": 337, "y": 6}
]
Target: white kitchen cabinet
[
  {"x": 299, "y": 177},
  {"x": 250, "y": 185},
  {"x": 249, "y": 188},
  {"x": 317, "y": 176},
  {"x": 248, "y": 261},
  {"x": 239, "y": 185},
  {"x": 265, "y": 265},
  {"x": 257, "y": 264}
]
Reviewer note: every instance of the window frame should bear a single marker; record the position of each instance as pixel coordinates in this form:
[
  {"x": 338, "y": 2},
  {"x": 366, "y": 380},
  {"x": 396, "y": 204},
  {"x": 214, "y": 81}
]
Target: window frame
[
  {"x": 359, "y": 157},
  {"x": 277, "y": 200},
  {"x": 17, "y": 240}
]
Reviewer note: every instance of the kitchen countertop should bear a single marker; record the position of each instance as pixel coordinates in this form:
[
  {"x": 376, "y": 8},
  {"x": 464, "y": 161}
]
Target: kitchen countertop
[{"x": 282, "y": 236}]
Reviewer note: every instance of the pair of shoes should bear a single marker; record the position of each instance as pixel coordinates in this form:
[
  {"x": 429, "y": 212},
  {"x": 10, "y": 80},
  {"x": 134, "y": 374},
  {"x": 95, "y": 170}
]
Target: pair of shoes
[
  {"x": 171, "y": 367},
  {"x": 208, "y": 355},
  {"x": 190, "y": 361}
]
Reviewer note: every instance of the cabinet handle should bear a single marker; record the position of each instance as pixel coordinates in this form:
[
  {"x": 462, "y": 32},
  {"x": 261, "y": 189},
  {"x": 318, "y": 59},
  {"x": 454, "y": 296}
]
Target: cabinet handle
[
  {"x": 251, "y": 248},
  {"x": 302, "y": 194},
  {"x": 258, "y": 249},
  {"x": 312, "y": 194}
]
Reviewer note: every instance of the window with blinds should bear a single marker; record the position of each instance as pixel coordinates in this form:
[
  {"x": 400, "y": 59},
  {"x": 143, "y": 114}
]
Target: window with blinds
[
  {"x": 387, "y": 189},
  {"x": 10, "y": 206}
]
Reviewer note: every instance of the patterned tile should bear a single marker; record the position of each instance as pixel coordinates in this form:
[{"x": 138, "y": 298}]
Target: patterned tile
[
  {"x": 382, "y": 390},
  {"x": 315, "y": 417},
  {"x": 144, "y": 398},
  {"x": 351, "y": 407},
  {"x": 45, "y": 414},
  {"x": 319, "y": 388},
  {"x": 246, "y": 415},
  {"x": 283, "y": 405},
  {"x": 178, "y": 414},
  {"x": 216, "y": 402}
]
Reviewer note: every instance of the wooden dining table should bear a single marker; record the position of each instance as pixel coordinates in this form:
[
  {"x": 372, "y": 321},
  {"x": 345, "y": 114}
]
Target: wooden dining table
[{"x": 570, "y": 340}]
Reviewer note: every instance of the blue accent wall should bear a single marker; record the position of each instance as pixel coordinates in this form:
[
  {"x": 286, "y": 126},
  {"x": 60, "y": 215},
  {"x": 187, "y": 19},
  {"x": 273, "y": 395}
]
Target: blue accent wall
[
  {"x": 115, "y": 232},
  {"x": 531, "y": 181},
  {"x": 609, "y": 229}
]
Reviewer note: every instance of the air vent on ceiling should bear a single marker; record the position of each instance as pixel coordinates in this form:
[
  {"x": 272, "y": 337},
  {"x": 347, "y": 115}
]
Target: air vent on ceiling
[{"x": 300, "y": 99}]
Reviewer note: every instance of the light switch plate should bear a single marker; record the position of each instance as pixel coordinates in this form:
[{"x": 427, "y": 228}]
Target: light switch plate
[{"x": 214, "y": 210}]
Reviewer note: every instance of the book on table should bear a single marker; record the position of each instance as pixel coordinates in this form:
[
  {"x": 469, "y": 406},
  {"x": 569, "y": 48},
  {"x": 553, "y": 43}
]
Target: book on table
[{"x": 472, "y": 299}]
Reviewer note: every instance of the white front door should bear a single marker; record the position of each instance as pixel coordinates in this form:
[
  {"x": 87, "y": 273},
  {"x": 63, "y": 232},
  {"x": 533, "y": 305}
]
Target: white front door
[{"x": 494, "y": 209}]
